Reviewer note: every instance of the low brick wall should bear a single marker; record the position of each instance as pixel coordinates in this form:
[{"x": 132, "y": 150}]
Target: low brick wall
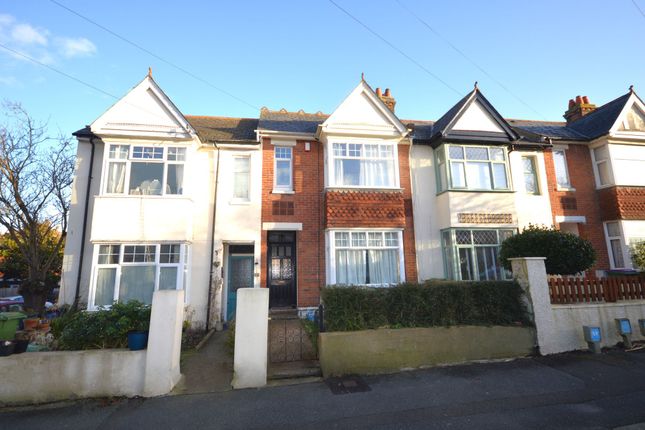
[
  {"x": 390, "y": 350},
  {"x": 37, "y": 377}
]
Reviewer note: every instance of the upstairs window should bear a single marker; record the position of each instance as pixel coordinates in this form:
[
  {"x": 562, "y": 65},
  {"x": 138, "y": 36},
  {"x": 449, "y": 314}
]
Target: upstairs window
[
  {"x": 601, "y": 158},
  {"x": 283, "y": 178},
  {"x": 241, "y": 178},
  {"x": 477, "y": 168},
  {"x": 531, "y": 184},
  {"x": 364, "y": 165},
  {"x": 145, "y": 170},
  {"x": 561, "y": 170}
]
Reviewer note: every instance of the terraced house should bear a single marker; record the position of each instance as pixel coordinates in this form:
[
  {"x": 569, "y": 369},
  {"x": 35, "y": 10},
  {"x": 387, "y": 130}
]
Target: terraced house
[{"x": 294, "y": 201}]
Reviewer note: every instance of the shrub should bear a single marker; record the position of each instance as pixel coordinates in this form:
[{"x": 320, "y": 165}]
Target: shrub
[
  {"x": 566, "y": 253},
  {"x": 105, "y": 328},
  {"x": 435, "y": 303},
  {"x": 638, "y": 255}
]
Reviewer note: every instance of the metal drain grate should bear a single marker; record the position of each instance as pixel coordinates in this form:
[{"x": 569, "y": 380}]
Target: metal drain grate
[{"x": 347, "y": 385}]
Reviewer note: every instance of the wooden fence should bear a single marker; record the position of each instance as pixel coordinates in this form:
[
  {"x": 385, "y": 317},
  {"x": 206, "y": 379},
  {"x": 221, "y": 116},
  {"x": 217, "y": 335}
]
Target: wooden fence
[{"x": 583, "y": 290}]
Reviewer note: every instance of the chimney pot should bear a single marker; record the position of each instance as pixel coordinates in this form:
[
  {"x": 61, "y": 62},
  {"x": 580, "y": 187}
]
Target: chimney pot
[
  {"x": 585, "y": 99},
  {"x": 387, "y": 92},
  {"x": 578, "y": 100},
  {"x": 578, "y": 108},
  {"x": 571, "y": 103},
  {"x": 378, "y": 92}
]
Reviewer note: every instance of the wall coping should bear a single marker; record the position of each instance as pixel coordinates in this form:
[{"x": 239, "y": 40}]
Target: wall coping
[
  {"x": 526, "y": 258},
  {"x": 599, "y": 305}
]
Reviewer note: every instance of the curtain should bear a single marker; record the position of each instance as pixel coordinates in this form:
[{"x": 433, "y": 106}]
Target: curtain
[
  {"x": 478, "y": 176},
  {"x": 350, "y": 267},
  {"x": 175, "y": 180},
  {"x": 384, "y": 267},
  {"x": 104, "y": 295},
  {"x": 137, "y": 283},
  {"x": 116, "y": 178},
  {"x": 375, "y": 173}
]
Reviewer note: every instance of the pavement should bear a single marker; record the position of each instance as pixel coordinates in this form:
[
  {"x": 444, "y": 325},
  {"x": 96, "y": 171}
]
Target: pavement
[{"x": 576, "y": 390}]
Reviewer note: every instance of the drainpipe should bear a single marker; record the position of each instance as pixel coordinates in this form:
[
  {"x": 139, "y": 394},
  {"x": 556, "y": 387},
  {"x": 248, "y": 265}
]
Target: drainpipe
[
  {"x": 210, "y": 276},
  {"x": 77, "y": 293}
]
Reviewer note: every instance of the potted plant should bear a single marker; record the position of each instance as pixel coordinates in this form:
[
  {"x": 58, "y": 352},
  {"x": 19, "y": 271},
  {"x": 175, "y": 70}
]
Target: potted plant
[
  {"x": 136, "y": 317},
  {"x": 21, "y": 342}
]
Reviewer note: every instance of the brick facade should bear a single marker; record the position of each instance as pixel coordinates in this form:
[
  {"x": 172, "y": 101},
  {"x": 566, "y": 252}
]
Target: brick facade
[
  {"x": 626, "y": 203},
  {"x": 581, "y": 202}
]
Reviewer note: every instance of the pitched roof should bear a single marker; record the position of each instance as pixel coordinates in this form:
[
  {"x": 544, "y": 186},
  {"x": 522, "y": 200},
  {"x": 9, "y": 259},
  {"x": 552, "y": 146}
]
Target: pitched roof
[
  {"x": 224, "y": 129},
  {"x": 293, "y": 122},
  {"x": 552, "y": 129},
  {"x": 442, "y": 123},
  {"x": 600, "y": 121}
]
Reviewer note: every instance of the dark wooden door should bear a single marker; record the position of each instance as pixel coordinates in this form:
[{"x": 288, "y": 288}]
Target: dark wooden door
[{"x": 282, "y": 269}]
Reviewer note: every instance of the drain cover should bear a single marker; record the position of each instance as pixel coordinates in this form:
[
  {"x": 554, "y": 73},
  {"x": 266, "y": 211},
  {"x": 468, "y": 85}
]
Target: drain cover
[{"x": 347, "y": 384}]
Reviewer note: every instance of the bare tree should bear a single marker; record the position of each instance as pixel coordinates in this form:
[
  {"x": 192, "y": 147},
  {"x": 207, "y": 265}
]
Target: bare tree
[{"x": 36, "y": 172}]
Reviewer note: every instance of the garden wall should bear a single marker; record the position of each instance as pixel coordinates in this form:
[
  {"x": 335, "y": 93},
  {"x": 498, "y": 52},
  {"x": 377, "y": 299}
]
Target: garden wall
[
  {"x": 390, "y": 350},
  {"x": 49, "y": 376}
]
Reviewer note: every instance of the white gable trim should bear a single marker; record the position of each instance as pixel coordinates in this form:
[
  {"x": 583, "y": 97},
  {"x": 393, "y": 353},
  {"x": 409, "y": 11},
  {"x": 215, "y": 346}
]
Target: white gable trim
[
  {"x": 615, "y": 131},
  {"x": 395, "y": 127},
  {"x": 171, "y": 123}
]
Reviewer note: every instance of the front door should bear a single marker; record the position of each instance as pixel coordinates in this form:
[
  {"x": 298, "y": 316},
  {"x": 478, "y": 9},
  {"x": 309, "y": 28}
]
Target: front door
[
  {"x": 282, "y": 269},
  {"x": 240, "y": 275}
]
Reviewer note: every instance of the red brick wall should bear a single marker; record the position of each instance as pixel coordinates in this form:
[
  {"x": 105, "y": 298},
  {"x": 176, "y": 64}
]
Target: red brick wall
[
  {"x": 308, "y": 183},
  {"x": 409, "y": 247},
  {"x": 582, "y": 179},
  {"x": 622, "y": 203}
]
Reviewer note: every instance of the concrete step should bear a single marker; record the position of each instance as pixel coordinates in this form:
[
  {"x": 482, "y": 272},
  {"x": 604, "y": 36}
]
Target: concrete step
[
  {"x": 283, "y": 314},
  {"x": 294, "y": 370}
]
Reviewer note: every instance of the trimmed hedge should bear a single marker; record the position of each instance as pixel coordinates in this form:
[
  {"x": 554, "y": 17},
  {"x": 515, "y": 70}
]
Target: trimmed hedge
[{"x": 434, "y": 303}]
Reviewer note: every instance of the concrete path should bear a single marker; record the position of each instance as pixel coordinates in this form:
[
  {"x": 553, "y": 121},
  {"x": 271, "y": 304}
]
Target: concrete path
[
  {"x": 566, "y": 391},
  {"x": 209, "y": 370}
]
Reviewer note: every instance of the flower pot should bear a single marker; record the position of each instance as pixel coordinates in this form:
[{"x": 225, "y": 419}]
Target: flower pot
[
  {"x": 31, "y": 323},
  {"x": 20, "y": 346},
  {"x": 44, "y": 325},
  {"x": 6, "y": 348},
  {"x": 137, "y": 340}
]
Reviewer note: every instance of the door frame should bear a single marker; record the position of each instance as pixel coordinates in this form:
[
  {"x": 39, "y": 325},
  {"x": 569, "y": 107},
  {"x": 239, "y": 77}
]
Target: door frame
[
  {"x": 294, "y": 258},
  {"x": 227, "y": 278}
]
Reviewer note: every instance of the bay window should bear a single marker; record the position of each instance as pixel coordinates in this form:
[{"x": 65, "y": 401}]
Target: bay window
[
  {"x": 473, "y": 254},
  {"x": 367, "y": 257},
  {"x": 125, "y": 272},
  {"x": 601, "y": 159},
  {"x": 364, "y": 165},
  {"x": 145, "y": 170},
  {"x": 477, "y": 168}
]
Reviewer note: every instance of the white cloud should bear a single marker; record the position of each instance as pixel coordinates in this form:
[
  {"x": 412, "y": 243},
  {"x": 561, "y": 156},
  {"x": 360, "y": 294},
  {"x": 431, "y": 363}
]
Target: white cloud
[
  {"x": 9, "y": 81},
  {"x": 6, "y": 20},
  {"x": 76, "y": 47},
  {"x": 25, "y": 34}
]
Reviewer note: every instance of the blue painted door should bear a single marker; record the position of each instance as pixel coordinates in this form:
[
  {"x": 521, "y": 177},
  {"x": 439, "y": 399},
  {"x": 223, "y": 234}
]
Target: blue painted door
[{"x": 240, "y": 275}]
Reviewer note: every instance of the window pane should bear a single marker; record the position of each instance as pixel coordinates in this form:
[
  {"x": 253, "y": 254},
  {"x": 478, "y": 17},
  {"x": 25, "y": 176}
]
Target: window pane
[
  {"x": 499, "y": 174},
  {"x": 119, "y": 152},
  {"x": 358, "y": 239},
  {"x": 108, "y": 254},
  {"x": 241, "y": 177},
  {"x": 485, "y": 237},
  {"x": 463, "y": 237},
  {"x": 354, "y": 149},
  {"x": 496, "y": 154},
  {"x": 604, "y": 173},
  {"x": 176, "y": 154},
  {"x": 137, "y": 283},
  {"x": 530, "y": 177},
  {"x": 613, "y": 229},
  {"x": 146, "y": 178},
  {"x": 370, "y": 151},
  {"x": 349, "y": 170},
  {"x": 617, "y": 253},
  {"x": 601, "y": 153},
  {"x": 375, "y": 239},
  {"x": 139, "y": 253},
  {"x": 241, "y": 164},
  {"x": 383, "y": 266},
  {"x": 505, "y": 234},
  {"x": 387, "y": 151},
  {"x": 105, "y": 278},
  {"x": 561, "y": 173},
  {"x": 476, "y": 153},
  {"x": 458, "y": 175},
  {"x": 167, "y": 278},
  {"x": 391, "y": 238},
  {"x": 340, "y": 149},
  {"x": 487, "y": 264},
  {"x": 116, "y": 178},
  {"x": 342, "y": 239},
  {"x": 351, "y": 267},
  {"x": 283, "y": 173},
  {"x": 146, "y": 152},
  {"x": 169, "y": 253},
  {"x": 466, "y": 264},
  {"x": 175, "y": 179},
  {"x": 456, "y": 152},
  {"x": 478, "y": 176}
]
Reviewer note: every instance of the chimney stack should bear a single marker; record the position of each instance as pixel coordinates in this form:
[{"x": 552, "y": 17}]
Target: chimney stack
[
  {"x": 387, "y": 98},
  {"x": 578, "y": 108}
]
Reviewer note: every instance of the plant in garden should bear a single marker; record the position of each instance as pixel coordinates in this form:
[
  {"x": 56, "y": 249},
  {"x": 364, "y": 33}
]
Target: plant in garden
[
  {"x": 638, "y": 254},
  {"x": 566, "y": 253}
]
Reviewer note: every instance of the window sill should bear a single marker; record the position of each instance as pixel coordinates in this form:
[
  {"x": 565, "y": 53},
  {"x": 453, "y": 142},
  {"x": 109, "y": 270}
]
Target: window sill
[
  {"x": 559, "y": 188},
  {"x": 277, "y": 191},
  {"x": 239, "y": 202},
  {"x": 385, "y": 189},
  {"x": 476, "y": 191},
  {"x": 143, "y": 196}
]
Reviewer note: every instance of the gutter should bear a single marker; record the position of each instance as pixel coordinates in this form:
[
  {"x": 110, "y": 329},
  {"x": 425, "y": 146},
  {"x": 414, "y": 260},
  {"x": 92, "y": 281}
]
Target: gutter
[
  {"x": 77, "y": 292},
  {"x": 211, "y": 262}
]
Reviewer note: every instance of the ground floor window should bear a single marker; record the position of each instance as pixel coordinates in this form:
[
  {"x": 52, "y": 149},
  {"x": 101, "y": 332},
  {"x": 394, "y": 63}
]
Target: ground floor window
[
  {"x": 473, "y": 254},
  {"x": 366, "y": 257},
  {"x": 615, "y": 244},
  {"x": 125, "y": 272}
]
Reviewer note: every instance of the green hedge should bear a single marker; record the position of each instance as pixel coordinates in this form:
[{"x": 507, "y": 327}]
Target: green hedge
[{"x": 434, "y": 303}]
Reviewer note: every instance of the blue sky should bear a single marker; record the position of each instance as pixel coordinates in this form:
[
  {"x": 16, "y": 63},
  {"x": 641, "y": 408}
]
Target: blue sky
[{"x": 309, "y": 55}]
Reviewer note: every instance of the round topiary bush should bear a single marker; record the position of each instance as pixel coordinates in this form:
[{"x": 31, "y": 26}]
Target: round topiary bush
[
  {"x": 566, "y": 253},
  {"x": 638, "y": 255}
]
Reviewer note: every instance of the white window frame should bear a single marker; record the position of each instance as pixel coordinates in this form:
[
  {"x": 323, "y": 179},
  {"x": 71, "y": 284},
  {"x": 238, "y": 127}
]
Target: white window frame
[
  {"x": 596, "y": 167},
  {"x": 331, "y": 246},
  {"x": 608, "y": 240},
  {"x": 182, "y": 268},
  {"x": 247, "y": 199},
  {"x": 567, "y": 186},
  {"x": 284, "y": 189},
  {"x": 330, "y": 159},
  {"x": 443, "y": 158},
  {"x": 128, "y": 166},
  {"x": 536, "y": 175}
]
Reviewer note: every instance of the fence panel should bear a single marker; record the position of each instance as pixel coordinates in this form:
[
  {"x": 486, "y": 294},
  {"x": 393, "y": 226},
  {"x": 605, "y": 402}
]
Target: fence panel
[{"x": 571, "y": 290}]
